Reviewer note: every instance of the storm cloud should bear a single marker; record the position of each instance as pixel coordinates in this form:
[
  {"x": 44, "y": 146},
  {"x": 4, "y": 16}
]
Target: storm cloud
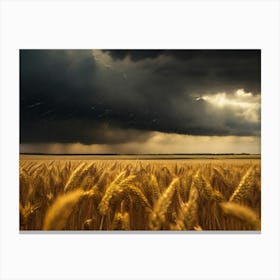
[{"x": 123, "y": 96}]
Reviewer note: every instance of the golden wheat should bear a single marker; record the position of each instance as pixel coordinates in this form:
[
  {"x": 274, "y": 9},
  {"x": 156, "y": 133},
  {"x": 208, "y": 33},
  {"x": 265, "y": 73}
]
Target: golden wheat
[
  {"x": 121, "y": 221},
  {"x": 139, "y": 194},
  {"x": 113, "y": 190},
  {"x": 242, "y": 213},
  {"x": 158, "y": 214},
  {"x": 245, "y": 186},
  {"x": 187, "y": 218},
  {"x": 74, "y": 177},
  {"x": 58, "y": 213}
]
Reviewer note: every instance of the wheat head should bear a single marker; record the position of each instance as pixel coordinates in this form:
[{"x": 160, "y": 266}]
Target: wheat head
[
  {"x": 242, "y": 213},
  {"x": 74, "y": 177},
  {"x": 244, "y": 187},
  {"x": 114, "y": 190},
  {"x": 58, "y": 213},
  {"x": 158, "y": 215}
]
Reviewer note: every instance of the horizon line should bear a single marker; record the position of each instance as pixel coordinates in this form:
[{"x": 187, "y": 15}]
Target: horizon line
[{"x": 136, "y": 154}]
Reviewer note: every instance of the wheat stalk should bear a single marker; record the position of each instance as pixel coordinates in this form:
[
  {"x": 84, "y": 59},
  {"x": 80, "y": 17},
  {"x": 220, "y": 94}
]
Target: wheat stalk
[
  {"x": 27, "y": 210},
  {"x": 74, "y": 177},
  {"x": 242, "y": 213},
  {"x": 58, "y": 213},
  {"x": 188, "y": 215},
  {"x": 244, "y": 187},
  {"x": 205, "y": 189},
  {"x": 158, "y": 215},
  {"x": 113, "y": 191},
  {"x": 155, "y": 187},
  {"x": 121, "y": 221},
  {"x": 138, "y": 194}
]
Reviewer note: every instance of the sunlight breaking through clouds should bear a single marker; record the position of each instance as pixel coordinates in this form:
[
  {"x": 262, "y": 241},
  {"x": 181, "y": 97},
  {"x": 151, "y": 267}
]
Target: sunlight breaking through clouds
[
  {"x": 244, "y": 104},
  {"x": 158, "y": 143},
  {"x": 140, "y": 100}
]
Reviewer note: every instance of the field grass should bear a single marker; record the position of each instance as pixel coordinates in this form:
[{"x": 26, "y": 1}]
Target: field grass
[{"x": 129, "y": 193}]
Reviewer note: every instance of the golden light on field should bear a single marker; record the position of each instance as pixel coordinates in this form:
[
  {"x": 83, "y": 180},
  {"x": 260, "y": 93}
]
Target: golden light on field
[{"x": 126, "y": 193}]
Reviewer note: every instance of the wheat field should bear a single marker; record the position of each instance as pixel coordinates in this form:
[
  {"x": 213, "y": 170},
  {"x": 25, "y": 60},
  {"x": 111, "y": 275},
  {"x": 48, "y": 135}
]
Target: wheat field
[{"x": 146, "y": 194}]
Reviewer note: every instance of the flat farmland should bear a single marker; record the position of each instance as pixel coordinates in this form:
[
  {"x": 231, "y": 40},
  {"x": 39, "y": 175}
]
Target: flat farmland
[{"x": 145, "y": 192}]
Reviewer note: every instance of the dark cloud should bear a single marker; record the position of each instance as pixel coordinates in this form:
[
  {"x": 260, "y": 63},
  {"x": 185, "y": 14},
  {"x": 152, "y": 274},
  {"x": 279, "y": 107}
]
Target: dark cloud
[
  {"x": 82, "y": 131},
  {"x": 236, "y": 67},
  {"x": 118, "y": 96},
  {"x": 135, "y": 55}
]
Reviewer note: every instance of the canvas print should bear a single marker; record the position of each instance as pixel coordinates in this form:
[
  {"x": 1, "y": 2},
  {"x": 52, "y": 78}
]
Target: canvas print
[{"x": 129, "y": 140}]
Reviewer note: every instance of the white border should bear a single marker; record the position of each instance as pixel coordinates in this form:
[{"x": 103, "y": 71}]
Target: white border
[{"x": 156, "y": 24}]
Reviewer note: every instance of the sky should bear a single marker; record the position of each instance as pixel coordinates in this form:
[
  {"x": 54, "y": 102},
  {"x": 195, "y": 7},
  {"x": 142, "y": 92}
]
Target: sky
[{"x": 140, "y": 101}]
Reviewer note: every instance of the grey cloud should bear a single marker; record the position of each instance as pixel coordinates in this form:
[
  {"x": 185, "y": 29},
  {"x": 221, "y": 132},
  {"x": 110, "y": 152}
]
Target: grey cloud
[
  {"x": 67, "y": 95},
  {"x": 78, "y": 131}
]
